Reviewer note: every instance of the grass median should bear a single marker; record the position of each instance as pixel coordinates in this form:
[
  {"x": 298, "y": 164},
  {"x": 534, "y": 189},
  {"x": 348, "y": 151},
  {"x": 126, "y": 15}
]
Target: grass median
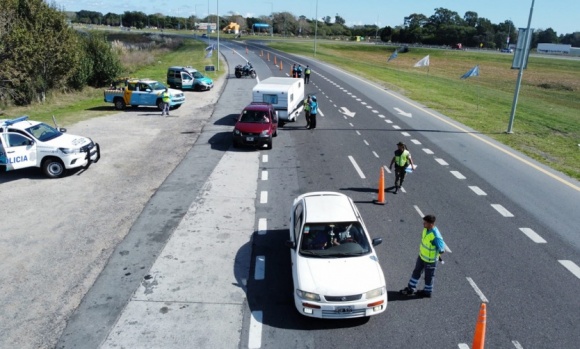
[{"x": 547, "y": 118}]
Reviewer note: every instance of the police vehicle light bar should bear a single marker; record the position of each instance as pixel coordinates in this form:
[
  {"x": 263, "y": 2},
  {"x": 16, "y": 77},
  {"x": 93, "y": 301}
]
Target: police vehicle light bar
[{"x": 14, "y": 121}]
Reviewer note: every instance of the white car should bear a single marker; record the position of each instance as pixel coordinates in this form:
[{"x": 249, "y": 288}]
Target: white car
[{"x": 335, "y": 269}]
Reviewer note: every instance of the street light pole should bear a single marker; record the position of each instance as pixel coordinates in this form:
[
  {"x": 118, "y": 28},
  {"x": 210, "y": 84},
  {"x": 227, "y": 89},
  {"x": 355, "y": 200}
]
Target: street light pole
[
  {"x": 272, "y": 17},
  {"x": 315, "y": 27}
]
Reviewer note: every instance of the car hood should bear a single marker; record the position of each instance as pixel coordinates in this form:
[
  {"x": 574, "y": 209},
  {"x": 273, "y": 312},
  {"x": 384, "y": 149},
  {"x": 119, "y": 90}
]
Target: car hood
[
  {"x": 339, "y": 276},
  {"x": 251, "y": 127},
  {"x": 66, "y": 140},
  {"x": 206, "y": 81}
]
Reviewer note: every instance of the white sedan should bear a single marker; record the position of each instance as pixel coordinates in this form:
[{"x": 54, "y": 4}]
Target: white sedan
[{"x": 335, "y": 269}]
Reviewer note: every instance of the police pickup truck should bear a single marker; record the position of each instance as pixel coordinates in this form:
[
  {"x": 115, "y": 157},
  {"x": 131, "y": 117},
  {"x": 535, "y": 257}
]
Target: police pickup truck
[
  {"x": 25, "y": 143},
  {"x": 143, "y": 92}
]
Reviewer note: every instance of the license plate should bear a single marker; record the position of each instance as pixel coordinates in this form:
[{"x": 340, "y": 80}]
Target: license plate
[
  {"x": 250, "y": 139},
  {"x": 343, "y": 310}
]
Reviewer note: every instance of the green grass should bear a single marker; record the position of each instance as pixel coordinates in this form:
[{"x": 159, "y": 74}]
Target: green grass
[
  {"x": 69, "y": 108},
  {"x": 547, "y": 118}
]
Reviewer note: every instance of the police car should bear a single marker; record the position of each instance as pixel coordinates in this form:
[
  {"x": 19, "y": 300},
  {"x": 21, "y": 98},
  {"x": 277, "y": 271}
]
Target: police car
[{"x": 26, "y": 143}]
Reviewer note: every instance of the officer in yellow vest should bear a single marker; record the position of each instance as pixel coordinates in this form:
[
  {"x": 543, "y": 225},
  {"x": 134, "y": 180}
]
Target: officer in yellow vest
[
  {"x": 307, "y": 75},
  {"x": 430, "y": 249},
  {"x": 402, "y": 159},
  {"x": 166, "y": 99},
  {"x": 307, "y": 111}
]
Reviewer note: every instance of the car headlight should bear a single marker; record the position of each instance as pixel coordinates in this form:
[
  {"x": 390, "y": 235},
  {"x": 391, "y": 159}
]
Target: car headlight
[
  {"x": 237, "y": 132},
  {"x": 68, "y": 150},
  {"x": 264, "y": 133},
  {"x": 375, "y": 293},
  {"x": 308, "y": 295}
]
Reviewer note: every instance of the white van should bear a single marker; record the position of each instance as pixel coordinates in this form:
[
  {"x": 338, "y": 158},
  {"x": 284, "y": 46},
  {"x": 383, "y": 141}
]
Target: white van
[{"x": 285, "y": 94}]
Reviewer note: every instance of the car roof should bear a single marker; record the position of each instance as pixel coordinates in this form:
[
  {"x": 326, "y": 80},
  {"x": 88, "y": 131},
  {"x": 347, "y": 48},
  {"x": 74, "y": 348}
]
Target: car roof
[
  {"x": 18, "y": 123},
  {"x": 324, "y": 207},
  {"x": 258, "y": 106}
]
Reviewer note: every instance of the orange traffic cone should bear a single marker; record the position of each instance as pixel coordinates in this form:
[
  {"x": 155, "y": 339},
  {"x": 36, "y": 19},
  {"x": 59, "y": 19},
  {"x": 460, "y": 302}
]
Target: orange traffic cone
[
  {"x": 261, "y": 53},
  {"x": 274, "y": 60},
  {"x": 381, "y": 196},
  {"x": 281, "y": 65},
  {"x": 246, "y": 49},
  {"x": 268, "y": 56},
  {"x": 479, "y": 336}
]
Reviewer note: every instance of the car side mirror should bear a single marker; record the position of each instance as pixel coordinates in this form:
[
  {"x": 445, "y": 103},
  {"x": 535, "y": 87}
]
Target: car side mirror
[
  {"x": 291, "y": 244},
  {"x": 377, "y": 241}
]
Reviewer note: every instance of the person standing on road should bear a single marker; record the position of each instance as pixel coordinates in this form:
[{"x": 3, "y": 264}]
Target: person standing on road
[
  {"x": 166, "y": 99},
  {"x": 307, "y": 74},
  {"x": 307, "y": 111},
  {"x": 313, "y": 112},
  {"x": 430, "y": 249},
  {"x": 402, "y": 159}
]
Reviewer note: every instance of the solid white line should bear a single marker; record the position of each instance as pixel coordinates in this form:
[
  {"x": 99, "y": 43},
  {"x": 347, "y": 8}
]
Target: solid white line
[
  {"x": 262, "y": 226},
  {"x": 264, "y": 175},
  {"x": 572, "y": 267},
  {"x": 364, "y": 140},
  {"x": 255, "y": 335},
  {"x": 428, "y": 151},
  {"x": 265, "y": 158},
  {"x": 360, "y": 172},
  {"x": 320, "y": 112},
  {"x": 375, "y": 154},
  {"x": 406, "y": 134},
  {"x": 517, "y": 345},
  {"x": 463, "y": 346},
  {"x": 263, "y": 197},
  {"x": 457, "y": 174},
  {"x": 260, "y": 270},
  {"x": 419, "y": 211},
  {"x": 396, "y": 127},
  {"x": 499, "y": 208},
  {"x": 533, "y": 235},
  {"x": 477, "y": 290},
  {"x": 415, "y": 141},
  {"x": 477, "y": 190},
  {"x": 441, "y": 162}
]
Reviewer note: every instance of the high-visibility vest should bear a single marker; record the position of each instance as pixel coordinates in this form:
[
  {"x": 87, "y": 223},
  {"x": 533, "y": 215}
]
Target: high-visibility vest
[
  {"x": 307, "y": 71},
  {"x": 401, "y": 160},
  {"x": 306, "y": 105},
  {"x": 427, "y": 250},
  {"x": 165, "y": 97}
]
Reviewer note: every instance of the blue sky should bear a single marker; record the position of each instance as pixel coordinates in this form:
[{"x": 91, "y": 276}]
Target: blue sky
[{"x": 560, "y": 15}]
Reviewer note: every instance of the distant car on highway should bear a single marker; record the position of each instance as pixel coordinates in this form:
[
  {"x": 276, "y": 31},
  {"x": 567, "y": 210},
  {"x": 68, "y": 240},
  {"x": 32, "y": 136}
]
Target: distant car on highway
[
  {"x": 335, "y": 269},
  {"x": 507, "y": 50}
]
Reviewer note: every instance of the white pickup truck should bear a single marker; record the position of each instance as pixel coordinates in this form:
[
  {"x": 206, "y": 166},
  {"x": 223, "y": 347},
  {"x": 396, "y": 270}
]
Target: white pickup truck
[{"x": 25, "y": 143}]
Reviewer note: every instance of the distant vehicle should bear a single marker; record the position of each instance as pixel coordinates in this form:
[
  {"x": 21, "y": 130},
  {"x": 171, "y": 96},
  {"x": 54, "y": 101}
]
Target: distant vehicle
[
  {"x": 187, "y": 78},
  {"x": 256, "y": 126},
  {"x": 26, "y": 143},
  {"x": 285, "y": 94},
  {"x": 335, "y": 271},
  {"x": 458, "y": 46},
  {"x": 145, "y": 92},
  {"x": 507, "y": 50},
  {"x": 204, "y": 36}
]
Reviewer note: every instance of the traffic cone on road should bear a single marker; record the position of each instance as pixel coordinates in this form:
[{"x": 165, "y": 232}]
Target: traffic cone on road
[
  {"x": 246, "y": 50},
  {"x": 268, "y": 56},
  {"x": 479, "y": 335},
  {"x": 274, "y": 60},
  {"x": 281, "y": 65},
  {"x": 381, "y": 195}
]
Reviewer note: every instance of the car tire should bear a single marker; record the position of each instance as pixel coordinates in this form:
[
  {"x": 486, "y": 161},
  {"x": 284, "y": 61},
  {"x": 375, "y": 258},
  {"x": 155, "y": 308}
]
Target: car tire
[
  {"x": 120, "y": 104},
  {"x": 269, "y": 144},
  {"x": 53, "y": 168},
  {"x": 275, "y": 134},
  {"x": 159, "y": 104}
]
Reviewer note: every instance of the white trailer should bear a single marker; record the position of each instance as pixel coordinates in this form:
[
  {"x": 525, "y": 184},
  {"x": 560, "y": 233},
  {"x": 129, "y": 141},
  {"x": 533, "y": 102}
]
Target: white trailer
[
  {"x": 554, "y": 48},
  {"x": 285, "y": 94}
]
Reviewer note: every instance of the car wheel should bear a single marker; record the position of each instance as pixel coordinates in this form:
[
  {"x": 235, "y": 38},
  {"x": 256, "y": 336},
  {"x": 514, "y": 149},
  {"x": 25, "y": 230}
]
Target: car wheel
[
  {"x": 269, "y": 145},
  {"x": 159, "y": 104},
  {"x": 119, "y": 104},
  {"x": 275, "y": 134},
  {"x": 53, "y": 168}
]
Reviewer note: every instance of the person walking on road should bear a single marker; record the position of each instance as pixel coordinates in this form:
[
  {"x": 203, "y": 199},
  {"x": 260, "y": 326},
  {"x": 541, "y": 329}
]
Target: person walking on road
[
  {"x": 307, "y": 74},
  {"x": 430, "y": 249},
  {"x": 307, "y": 102},
  {"x": 313, "y": 112},
  {"x": 166, "y": 99},
  {"x": 402, "y": 159}
]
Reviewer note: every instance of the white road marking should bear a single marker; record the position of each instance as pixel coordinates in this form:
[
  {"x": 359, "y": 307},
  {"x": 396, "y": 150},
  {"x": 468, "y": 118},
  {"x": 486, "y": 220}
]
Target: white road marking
[
  {"x": 457, "y": 174},
  {"x": 265, "y": 158},
  {"x": 502, "y": 210},
  {"x": 415, "y": 141},
  {"x": 369, "y": 107},
  {"x": 388, "y": 121},
  {"x": 356, "y": 167},
  {"x": 463, "y": 346},
  {"x": 441, "y": 162},
  {"x": 533, "y": 235},
  {"x": 364, "y": 140},
  {"x": 264, "y": 175},
  {"x": 396, "y": 127},
  {"x": 403, "y": 190},
  {"x": 262, "y": 226},
  {"x": 517, "y": 345},
  {"x": 320, "y": 112},
  {"x": 418, "y": 211},
  {"x": 255, "y": 335},
  {"x": 375, "y": 111},
  {"x": 263, "y": 197},
  {"x": 477, "y": 290},
  {"x": 350, "y": 123},
  {"x": 375, "y": 154},
  {"x": 260, "y": 269},
  {"x": 387, "y": 169},
  {"x": 572, "y": 267},
  {"x": 363, "y": 103},
  {"x": 477, "y": 190},
  {"x": 358, "y": 133},
  {"x": 428, "y": 151},
  {"x": 381, "y": 116},
  {"x": 406, "y": 134}
]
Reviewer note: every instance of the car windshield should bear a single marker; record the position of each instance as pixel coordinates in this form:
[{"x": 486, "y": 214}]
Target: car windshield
[
  {"x": 43, "y": 132},
  {"x": 254, "y": 116},
  {"x": 332, "y": 240},
  {"x": 198, "y": 75},
  {"x": 155, "y": 86}
]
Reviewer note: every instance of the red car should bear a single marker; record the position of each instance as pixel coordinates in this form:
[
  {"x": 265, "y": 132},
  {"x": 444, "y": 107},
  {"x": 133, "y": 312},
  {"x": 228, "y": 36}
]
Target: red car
[{"x": 256, "y": 126}]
